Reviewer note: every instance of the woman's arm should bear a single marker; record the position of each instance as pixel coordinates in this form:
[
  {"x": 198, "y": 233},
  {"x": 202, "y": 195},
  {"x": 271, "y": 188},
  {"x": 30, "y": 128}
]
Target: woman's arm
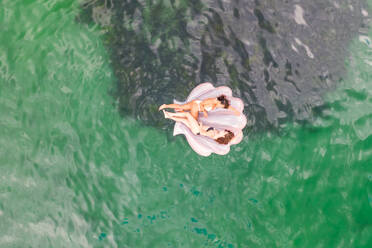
[{"x": 236, "y": 112}]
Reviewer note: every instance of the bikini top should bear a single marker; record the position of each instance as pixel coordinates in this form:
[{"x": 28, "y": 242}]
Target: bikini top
[{"x": 207, "y": 108}]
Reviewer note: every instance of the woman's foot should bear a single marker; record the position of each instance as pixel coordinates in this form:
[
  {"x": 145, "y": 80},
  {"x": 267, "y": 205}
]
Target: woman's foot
[{"x": 163, "y": 106}]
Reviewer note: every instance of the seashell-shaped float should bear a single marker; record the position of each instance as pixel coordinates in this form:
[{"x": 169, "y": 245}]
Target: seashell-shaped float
[{"x": 219, "y": 118}]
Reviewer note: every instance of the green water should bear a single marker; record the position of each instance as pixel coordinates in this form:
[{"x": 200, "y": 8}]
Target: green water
[{"x": 76, "y": 174}]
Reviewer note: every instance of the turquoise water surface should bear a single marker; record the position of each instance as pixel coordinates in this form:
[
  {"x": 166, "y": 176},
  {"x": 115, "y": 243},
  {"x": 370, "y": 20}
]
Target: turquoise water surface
[{"x": 74, "y": 173}]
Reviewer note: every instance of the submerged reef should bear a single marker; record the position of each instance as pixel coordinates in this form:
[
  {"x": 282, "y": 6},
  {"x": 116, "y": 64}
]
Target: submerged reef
[{"x": 279, "y": 56}]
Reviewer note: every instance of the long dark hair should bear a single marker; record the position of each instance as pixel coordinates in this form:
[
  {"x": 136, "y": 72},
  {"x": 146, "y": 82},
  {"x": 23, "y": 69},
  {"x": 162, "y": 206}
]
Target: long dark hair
[
  {"x": 225, "y": 139},
  {"x": 223, "y": 100}
]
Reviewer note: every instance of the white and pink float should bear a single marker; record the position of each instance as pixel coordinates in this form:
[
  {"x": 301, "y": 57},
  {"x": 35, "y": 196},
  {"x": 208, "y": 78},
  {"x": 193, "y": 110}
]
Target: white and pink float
[{"x": 219, "y": 118}]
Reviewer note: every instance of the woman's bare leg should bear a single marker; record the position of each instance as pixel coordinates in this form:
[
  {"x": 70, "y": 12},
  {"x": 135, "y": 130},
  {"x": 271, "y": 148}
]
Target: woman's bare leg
[
  {"x": 185, "y": 118},
  {"x": 186, "y": 115},
  {"x": 178, "y": 119},
  {"x": 180, "y": 114},
  {"x": 186, "y": 106}
]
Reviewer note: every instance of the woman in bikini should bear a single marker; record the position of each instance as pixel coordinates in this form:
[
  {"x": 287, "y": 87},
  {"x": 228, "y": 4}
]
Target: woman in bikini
[
  {"x": 204, "y": 106},
  {"x": 221, "y": 137}
]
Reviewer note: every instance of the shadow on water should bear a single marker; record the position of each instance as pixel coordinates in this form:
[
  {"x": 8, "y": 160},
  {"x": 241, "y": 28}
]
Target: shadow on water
[{"x": 278, "y": 56}]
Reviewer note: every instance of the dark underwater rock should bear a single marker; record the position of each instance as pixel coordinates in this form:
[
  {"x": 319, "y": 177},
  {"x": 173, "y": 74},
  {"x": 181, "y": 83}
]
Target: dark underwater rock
[{"x": 280, "y": 57}]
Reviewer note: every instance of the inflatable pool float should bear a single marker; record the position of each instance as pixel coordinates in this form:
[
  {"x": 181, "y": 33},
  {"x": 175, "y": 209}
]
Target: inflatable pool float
[{"x": 218, "y": 118}]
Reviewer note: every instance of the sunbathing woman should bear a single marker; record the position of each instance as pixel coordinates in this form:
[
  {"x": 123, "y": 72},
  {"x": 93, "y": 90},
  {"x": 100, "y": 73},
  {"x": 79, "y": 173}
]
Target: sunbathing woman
[
  {"x": 222, "y": 137},
  {"x": 197, "y": 106}
]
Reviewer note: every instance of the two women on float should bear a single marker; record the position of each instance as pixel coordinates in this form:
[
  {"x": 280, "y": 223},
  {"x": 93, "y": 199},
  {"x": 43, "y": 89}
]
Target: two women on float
[{"x": 190, "y": 119}]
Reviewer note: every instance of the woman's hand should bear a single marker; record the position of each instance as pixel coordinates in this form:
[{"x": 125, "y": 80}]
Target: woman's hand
[{"x": 236, "y": 112}]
